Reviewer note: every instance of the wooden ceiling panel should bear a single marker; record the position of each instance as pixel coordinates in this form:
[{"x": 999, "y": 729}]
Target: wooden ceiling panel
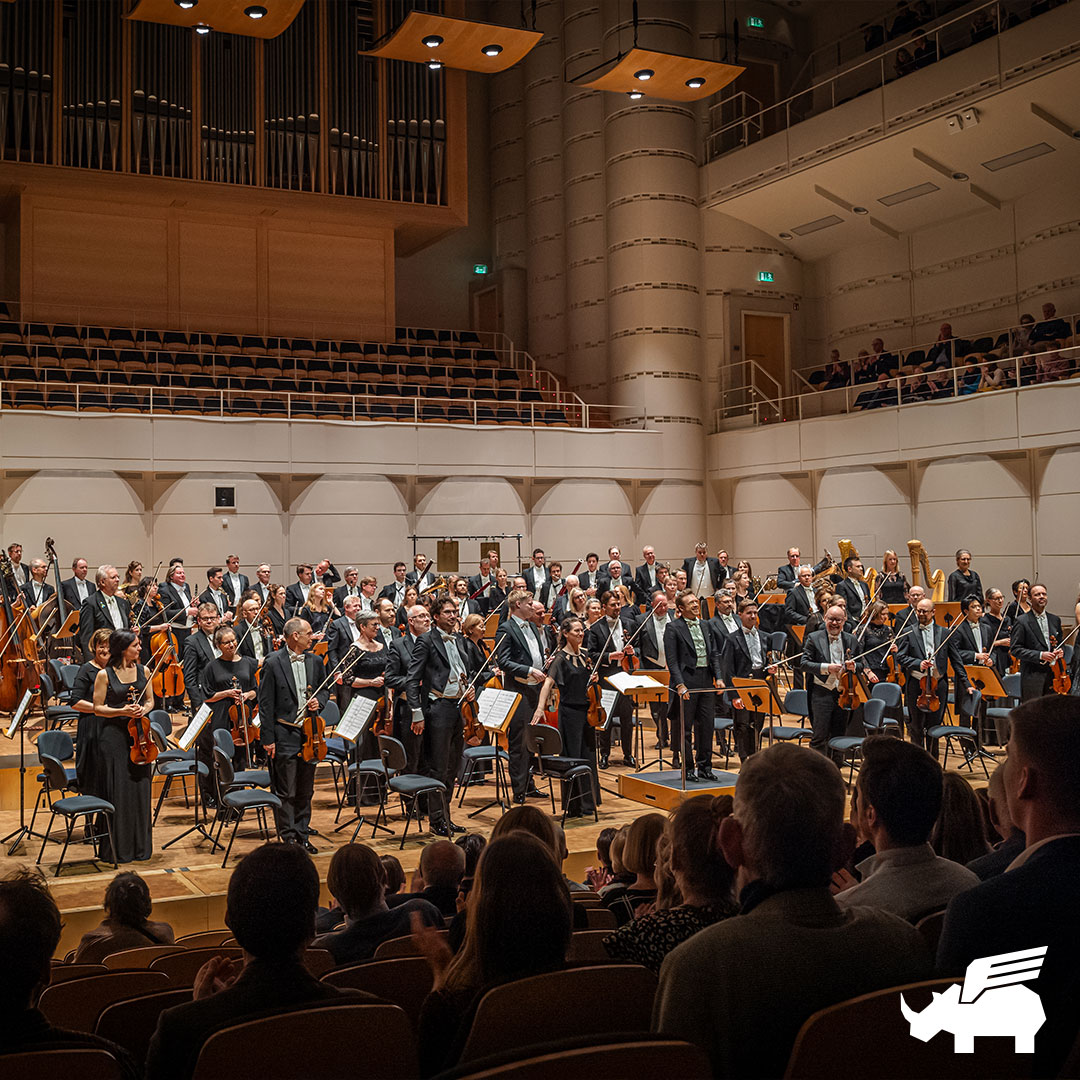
[
  {"x": 670, "y": 75},
  {"x": 222, "y": 16},
  {"x": 462, "y": 45}
]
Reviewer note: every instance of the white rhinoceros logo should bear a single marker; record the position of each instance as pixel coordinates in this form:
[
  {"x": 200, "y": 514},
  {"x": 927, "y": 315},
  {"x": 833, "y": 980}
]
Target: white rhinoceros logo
[{"x": 990, "y": 1003}]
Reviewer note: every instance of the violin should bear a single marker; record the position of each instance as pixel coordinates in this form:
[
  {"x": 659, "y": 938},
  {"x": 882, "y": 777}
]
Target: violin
[
  {"x": 1062, "y": 680},
  {"x": 848, "y": 697},
  {"x": 383, "y": 717},
  {"x": 144, "y": 750},
  {"x": 928, "y": 697},
  {"x": 596, "y": 715},
  {"x": 243, "y": 730},
  {"x": 314, "y": 728},
  {"x": 551, "y": 708},
  {"x": 630, "y": 662}
]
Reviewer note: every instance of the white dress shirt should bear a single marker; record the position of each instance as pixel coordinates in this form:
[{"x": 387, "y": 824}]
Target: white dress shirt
[
  {"x": 113, "y": 609},
  {"x": 535, "y": 653},
  {"x": 660, "y": 624},
  {"x": 299, "y": 672},
  {"x": 82, "y": 590},
  {"x": 700, "y": 578}
]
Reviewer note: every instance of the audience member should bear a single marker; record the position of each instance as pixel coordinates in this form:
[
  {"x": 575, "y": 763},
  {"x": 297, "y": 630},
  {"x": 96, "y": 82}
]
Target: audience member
[
  {"x": 126, "y": 924},
  {"x": 1050, "y": 328},
  {"x": 895, "y": 804},
  {"x": 924, "y": 50},
  {"x": 442, "y": 866},
  {"x": 904, "y": 21},
  {"x": 982, "y": 27},
  {"x": 905, "y": 63},
  {"x": 639, "y": 858},
  {"x": 357, "y": 881},
  {"x": 959, "y": 833},
  {"x": 1035, "y": 902},
  {"x": 1050, "y": 365},
  {"x": 1012, "y": 837},
  {"x": 741, "y": 989},
  {"x": 704, "y": 880},
  {"x": 563, "y": 855},
  {"x": 940, "y": 354},
  {"x": 602, "y": 873},
  {"x": 29, "y": 934},
  {"x": 1021, "y": 335},
  {"x": 270, "y": 908},
  {"x": 518, "y": 924},
  {"x": 395, "y": 874},
  {"x": 472, "y": 844}
]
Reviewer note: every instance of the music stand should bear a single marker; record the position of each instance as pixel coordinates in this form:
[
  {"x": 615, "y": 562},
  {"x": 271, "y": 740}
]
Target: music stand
[
  {"x": 495, "y": 710},
  {"x": 989, "y": 682},
  {"x": 18, "y": 720},
  {"x": 189, "y": 736},
  {"x": 754, "y": 693},
  {"x": 638, "y": 694},
  {"x": 70, "y": 627},
  {"x": 946, "y": 613}
]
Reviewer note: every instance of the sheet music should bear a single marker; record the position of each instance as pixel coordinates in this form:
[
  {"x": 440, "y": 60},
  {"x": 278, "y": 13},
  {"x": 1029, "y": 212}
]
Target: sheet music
[
  {"x": 623, "y": 682},
  {"x": 23, "y": 706},
  {"x": 607, "y": 699},
  {"x": 191, "y": 732},
  {"x": 495, "y": 708},
  {"x": 356, "y": 718}
]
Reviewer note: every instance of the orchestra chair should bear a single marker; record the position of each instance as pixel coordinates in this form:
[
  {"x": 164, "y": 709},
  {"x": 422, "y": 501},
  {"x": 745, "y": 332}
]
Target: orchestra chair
[
  {"x": 930, "y": 928},
  {"x": 825, "y": 1038},
  {"x": 966, "y": 734},
  {"x": 631, "y": 1059},
  {"x": 546, "y": 743},
  {"x": 71, "y": 808},
  {"x": 797, "y": 704},
  {"x": 401, "y": 946},
  {"x": 586, "y": 896},
  {"x": 239, "y": 800},
  {"x": 182, "y": 966},
  {"x": 204, "y": 938},
  {"x": 86, "y": 1064},
  {"x": 77, "y": 1003},
  {"x": 131, "y": 1021},
  {"x": 850, "y": 746},
  {"x": 999, "y": 714},
  {"x": 141, "y": 957},
  {"x": 58, "y": 745},
  {"x": 241, "y": 777},
  {"x": 362, "y": 772},
  {"x": 403, "y": 981},
  {"x": 587, "y": 947},
  {"x": 893, "y": 696},
  {"x": 61, "y": 972},
  {"x": 56, "y": 716},
  {"x": 473, "y": 758},
  {"x": 308, "y": 1042},
  {"x": 547, "y": 1007},
  {"x": 407, "y": 786}
]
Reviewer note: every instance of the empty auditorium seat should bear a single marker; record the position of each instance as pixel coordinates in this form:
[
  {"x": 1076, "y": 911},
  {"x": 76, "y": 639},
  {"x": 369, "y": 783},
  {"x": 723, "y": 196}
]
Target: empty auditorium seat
[
  {"x": 148, "y": 339},
  {"x": 10, "y": 331},
  {"x": 121, "y": 339},
  {"x": 66, "y": 335},
  {"x": 39, "y": 334},
  {"x": 228, "y": 344},
  {"x": 174, "y": 341}
]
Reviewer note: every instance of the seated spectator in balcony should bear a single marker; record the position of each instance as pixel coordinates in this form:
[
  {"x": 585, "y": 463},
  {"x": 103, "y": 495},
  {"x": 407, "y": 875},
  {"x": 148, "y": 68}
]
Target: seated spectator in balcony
[
  {"x": 1050, "y": 328},
  {"x": 906, "y": 20},
  {"x": 982, "y": 27},
  {"x": 924, "y": 50},
  {"x": 916, "y": 388},
  {"x": 873, "y": 36},
  {"x": 881, "y": 362},
  {"x": 991, "y": 374},
  {"x": 743, "y": 987},
  {"x": 837, "y": 374},
  {"x": 1021, "y": 335},
  {"x": 941, "y": 385},
  {"x": 864, "y": 370},
  {"x": 940, "y": 354},
  {"x": 970, "y": 378},
  {"x": 1050, "y": 366},
  {"x": 905, "y": 63},
  {"x": 1029, "y": 365}
]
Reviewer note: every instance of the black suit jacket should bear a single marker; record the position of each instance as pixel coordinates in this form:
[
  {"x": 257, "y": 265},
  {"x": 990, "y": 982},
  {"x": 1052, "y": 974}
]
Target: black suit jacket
[
  {"x": 682, "y": 656},
  {"x": 598, "y": 642},
  {"x": 816, "y": 653},
  {"x": 429, "y": 667},
  {"x": 263, "y": 987},
  {"x": 910, "y": 655},
  {"x": 719, "y": 631},
  {"x": 175, "y": 603},
  {"x": 207, "y": 597},
  {"x": 786, "y": 577},
  {"x": 93, "y": 615},
  {"x": 246, "y": 640},
  {"x": 397, "y": 663},
  {"x": 343, "y": 590},
  {"x": 430, "y": 575},
  {"x": 339, "y": 637},
  {"x": 856, "y": 594},
  {"x": 642, "y": 588},
  {"x": 530, "y": 579},
  {"x": 648, "y": 648},
  {"x": 71, "y": 593},
  {"x": 278, "y": 704},
  {"x": 735, "y": 661},
  {"x": 198, "y": 655},
  {"x": 965, "y": 641},
  {"x": 796, "y": 607},
  {"x": 231, "y": 594},
  {"x": 715, "y": 572},
  {"x": 389, "y": 592},
  {"x": 294, "y": 600},
  {"x": 589, "y": 581},
  {"x": 512, "y": 652},
  {"x": 1027, "y": 642},
  {"x": 46, "y": 591}
]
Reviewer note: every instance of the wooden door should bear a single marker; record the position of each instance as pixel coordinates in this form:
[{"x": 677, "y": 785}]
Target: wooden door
[{"x": 765, "y": 343}]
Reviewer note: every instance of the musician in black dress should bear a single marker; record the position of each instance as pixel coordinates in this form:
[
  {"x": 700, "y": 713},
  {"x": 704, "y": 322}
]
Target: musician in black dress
[
  {"x": 570, "y": 671},
  {"x": 276, "y": 610},
  {"x": 877, "y": 643},
  {"x": 365, "y": 673},
  {"x": 318, "y": 611},
  {"x": 122, "y": 691},
  {"x": 82, "y": 701},
  {"x": 226, "y": 681},
  {"x": 892, "y": 585}
]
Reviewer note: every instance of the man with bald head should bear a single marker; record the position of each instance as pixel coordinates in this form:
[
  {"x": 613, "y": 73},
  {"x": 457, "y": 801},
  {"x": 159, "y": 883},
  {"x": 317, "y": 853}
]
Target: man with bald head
[{"x": 828, "y": 654}]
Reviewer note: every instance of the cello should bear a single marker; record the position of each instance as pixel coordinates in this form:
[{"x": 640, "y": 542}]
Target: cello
[{"x": 19, "y": 662}]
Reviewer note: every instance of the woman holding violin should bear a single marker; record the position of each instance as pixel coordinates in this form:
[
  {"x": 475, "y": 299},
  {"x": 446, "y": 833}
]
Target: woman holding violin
[
  {"x": 276, "y": 613},
  {"x": 317, "y": 611},
  {"x": 122, "y": 702},
  {"x": 82, "y": 701},
  {"x": 570, "y": 672},
  {"x": 877, "y": 643},
  {"x": 229, "y": 688}
]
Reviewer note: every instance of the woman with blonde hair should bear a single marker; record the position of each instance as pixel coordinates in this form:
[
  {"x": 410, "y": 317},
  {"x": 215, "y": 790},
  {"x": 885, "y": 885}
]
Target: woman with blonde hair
[{"x": 892, "y": 585}]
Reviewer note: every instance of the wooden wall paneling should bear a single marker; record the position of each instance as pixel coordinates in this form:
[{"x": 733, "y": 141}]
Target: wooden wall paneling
[{"x": 217, "y": 268}]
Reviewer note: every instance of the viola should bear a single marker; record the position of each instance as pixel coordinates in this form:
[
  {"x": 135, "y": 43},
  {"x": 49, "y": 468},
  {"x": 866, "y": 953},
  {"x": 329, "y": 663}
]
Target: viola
[
  {"x": 19, "y": 662},
  {"x": 314, "y": 728},
  {"x": 240, "y": 720},
  {"x": 383, "y": 718},
  {"x": 630, "y": 663},
  {"x": 144, "y": 750},
  {"x": 1062, "y": 680}
]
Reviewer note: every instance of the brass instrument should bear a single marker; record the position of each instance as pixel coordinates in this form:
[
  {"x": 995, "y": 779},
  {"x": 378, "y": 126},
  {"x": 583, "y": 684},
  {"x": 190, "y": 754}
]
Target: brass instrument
[
  {"x": 438, "y": 583},
  {"x": 920, "y": 561},
  {"x": 849, "y": 551},
  {"x": 823, "y": 571}
]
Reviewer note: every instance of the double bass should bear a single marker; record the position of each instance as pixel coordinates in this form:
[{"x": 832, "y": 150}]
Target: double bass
[{"x": 20, "y": 664}]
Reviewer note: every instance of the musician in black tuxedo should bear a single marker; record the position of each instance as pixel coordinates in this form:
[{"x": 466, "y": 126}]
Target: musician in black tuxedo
[
  {"x": 925, "y": 648},
  {"x": 606, "y": 641},
  {"x": 605, "y": 573},
  {"x": 395, "y": 591},
  {"x": 799, "y": 605},
  {"x": 215, "y": 594},
  {"x": 341, "y": 634},
  {"x": 103, "y": 609},
  {"x": 537, "y": 575},
  {"x": 826, "y": 655},
  {"x": 588, "y": 578},
  {"x": 744, "y": 657},
  {"x": 973, "y": 640},
  {"x": 77, "y": 587},
  {"x": 423, "y": 575},
  {"x": 438, "y": 682},
  {"x": 252, "y": 640},
  {"x": 788, "y": 574},
  {"x": 233, "y": 582},
  {"x": 350, "y": 587},
  {"x": 1030, "y": 644},
  {"x": 397, "y": 668},
  {"x": 519, "y": 652},
  {"x": 653, "y": 626},
  {"x": 646, "y": 581},
  {"x": 198, "y": 653},
  {"x": 702, "y": 571},
  {"x": 291, "y": 686},
  {"x": 963, "y": 581},
  {"x": 853, "y": 588},
  {"x": 37, "y": 590},
  {"x": 261, "y": 584},
  {"x": 297, "y": 593},
  {"x": 459, "y": 593},
  {"x": 480, "y": 585},
  {"x": 905, "y": 619},
  {"x": 178, "y": 597},
  {"x": 693, "y": 663},
  {"x": 326, "y": 572}
]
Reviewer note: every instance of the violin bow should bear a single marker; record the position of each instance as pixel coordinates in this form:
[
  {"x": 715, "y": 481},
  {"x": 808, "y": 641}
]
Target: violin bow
[{"x": 251, "y": 625}]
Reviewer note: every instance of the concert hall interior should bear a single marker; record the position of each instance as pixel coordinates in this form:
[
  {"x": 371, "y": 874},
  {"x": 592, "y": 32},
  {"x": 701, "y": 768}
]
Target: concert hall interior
[{"x": 346, "y": 296}]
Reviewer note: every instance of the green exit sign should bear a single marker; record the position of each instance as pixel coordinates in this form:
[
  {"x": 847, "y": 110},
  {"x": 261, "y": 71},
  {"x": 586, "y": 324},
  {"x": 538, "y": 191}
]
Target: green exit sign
[
  {"x": 480, "y": 268},
  {"x": 765, "y": 275},
  {"x": 755, "y": 23}
]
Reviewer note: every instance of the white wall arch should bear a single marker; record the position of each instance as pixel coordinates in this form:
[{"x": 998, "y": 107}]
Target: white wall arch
[
  {"x": 671, "y": 519},
  {"x": 1056, "y": 521},
  {"x": 91, "y": 515},
  {"x": 579, "y": 516},
  {"x": 867, "y": 506},
  {"x": 769, "y": 515}
]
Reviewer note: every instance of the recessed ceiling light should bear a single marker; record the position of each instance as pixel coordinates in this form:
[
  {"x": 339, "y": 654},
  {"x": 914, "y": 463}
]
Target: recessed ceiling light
[
  {"x": 434, "y": 65},
  {"x": 859, "y": 210},
  {"x": 433, "y": 41},
  {"x": 202, "y": 28},
  {"x": 696, "y": 83},
  {"x": 491, "y": 50},
  {"x": 187, "y": 5},
  {"x": 644, "y": 75},
  {"x": 786, "y": 236},
  {"x": 961, "y": 176},
  {"x": 255, "y": 11},
  {"x": 634, "y": 95}
]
